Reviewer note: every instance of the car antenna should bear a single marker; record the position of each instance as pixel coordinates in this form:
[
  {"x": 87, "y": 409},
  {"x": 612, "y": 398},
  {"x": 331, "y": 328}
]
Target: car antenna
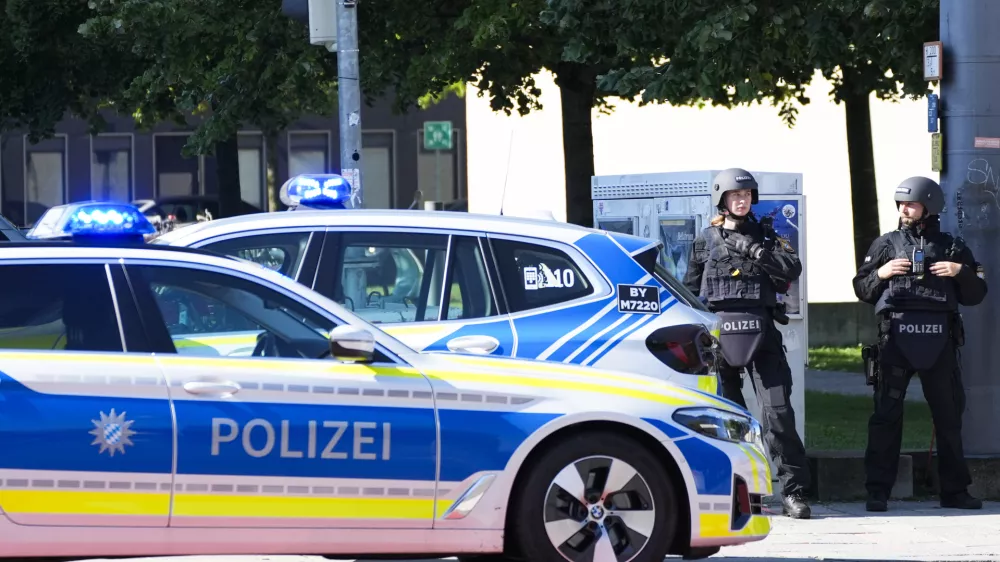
[{"x": 510, "y": 147}]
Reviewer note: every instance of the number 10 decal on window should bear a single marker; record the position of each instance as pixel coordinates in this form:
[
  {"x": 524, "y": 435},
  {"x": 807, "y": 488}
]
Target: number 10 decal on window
[{"x": 542, "y": 277}]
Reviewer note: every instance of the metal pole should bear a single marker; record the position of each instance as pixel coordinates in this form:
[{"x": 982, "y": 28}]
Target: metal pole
[
  {"x": 970, "y": 79},
  {"x": 349, "y": 97}
]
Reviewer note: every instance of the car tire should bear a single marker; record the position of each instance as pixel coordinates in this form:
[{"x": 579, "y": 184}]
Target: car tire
[{"x": 629, "y": 513}]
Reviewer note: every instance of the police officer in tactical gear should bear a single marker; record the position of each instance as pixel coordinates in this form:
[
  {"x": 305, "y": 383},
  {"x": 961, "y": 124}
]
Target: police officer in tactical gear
[
  {"x": 916, "y": 276},
  {"x": 738, "y": 265}
]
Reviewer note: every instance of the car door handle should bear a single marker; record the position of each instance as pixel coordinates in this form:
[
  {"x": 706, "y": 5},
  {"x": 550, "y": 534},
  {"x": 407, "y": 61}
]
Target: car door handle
[
  {"x": 474, "y": 344},
  {"x": 211, "y": 387}
]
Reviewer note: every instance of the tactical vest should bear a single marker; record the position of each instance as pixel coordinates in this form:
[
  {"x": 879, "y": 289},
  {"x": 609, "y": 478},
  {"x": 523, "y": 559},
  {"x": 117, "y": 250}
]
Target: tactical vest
[
  {"x": 732, "y": 280},
  {"x": 912, "y": 292}
]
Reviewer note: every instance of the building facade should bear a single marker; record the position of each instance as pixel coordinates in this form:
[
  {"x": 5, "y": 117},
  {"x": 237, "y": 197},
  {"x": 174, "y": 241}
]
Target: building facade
[{"x": 124, "y": 164}]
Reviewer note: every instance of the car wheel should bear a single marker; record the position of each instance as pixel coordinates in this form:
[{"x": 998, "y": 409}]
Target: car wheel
[{"x": 596, "y": 497}]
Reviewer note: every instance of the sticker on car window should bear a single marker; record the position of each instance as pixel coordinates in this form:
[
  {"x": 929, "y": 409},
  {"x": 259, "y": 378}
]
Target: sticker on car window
[{"x": 543, "y": 277}]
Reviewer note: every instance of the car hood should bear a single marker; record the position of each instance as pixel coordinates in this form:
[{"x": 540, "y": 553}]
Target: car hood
[{"x": 576, "y": 378}]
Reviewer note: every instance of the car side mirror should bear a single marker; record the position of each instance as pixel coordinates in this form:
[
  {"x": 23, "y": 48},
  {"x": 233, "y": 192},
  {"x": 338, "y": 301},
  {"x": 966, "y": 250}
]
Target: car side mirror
[{"x": 348, "y": 343}]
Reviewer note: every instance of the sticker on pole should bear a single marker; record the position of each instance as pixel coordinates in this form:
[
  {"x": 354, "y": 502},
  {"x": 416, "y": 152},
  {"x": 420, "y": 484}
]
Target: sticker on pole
[{"x": 639, "y": 298}]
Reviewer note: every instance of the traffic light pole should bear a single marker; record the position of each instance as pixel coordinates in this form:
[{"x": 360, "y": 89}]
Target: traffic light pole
[
  {"x": 970, "y": 125},
  {"x": 349, "y": 96}
]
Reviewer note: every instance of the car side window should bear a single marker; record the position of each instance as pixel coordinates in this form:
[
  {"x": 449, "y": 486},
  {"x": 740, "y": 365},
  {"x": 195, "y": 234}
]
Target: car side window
[
  {"x": 468, "y": 292},
  {"x": 534, "y": 275},
  {"x": 58, "y": 307},
  {"x": 281, "y": 252},
  {"x": 213, "y": 314},
  {"x": 392, "y": 277}
]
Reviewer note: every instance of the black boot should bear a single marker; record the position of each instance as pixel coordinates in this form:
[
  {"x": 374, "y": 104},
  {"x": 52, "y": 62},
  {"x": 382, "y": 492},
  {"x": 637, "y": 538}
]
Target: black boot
[
  {"x": 962, "y": 500},
  {"x": 796, "y": 507},
  {"x": 877, "y": 502}
]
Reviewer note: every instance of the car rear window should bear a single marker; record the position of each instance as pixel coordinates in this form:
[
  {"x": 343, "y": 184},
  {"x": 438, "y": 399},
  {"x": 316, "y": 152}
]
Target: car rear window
[{"x": 647, "y": 260}]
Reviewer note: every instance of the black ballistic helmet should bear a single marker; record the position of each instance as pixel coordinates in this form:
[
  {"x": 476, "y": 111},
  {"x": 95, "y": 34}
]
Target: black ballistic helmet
[
  {"x": 925, "y": 191},
  {"x": 732, "y": 179}
]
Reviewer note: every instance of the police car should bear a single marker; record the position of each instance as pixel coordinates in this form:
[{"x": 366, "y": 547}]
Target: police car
[
  {"x": 122, "y": 437},
  {"x": 486, "y": 284}
]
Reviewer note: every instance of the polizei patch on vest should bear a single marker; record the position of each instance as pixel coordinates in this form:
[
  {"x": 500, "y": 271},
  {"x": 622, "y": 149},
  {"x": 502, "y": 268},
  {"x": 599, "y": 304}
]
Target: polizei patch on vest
[
  {"x": 931, "y": 329},
  {"x": 639, "y": 298},
  {"x": 748, "y": 326}
]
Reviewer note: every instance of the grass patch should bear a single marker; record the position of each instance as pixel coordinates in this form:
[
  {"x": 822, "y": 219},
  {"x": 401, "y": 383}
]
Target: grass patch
[
  {"x": 839, "y": 422},
  {"x": 846, "y": 359}
]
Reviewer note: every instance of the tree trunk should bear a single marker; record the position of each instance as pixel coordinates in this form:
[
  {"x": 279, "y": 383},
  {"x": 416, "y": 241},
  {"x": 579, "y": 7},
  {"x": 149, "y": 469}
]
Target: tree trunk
[
  {"x": 861, "y": 157},
  {"x": 227, "y": 158},
  {"x": 273, "y": 186},
  {"x": 577, "y": 88}
]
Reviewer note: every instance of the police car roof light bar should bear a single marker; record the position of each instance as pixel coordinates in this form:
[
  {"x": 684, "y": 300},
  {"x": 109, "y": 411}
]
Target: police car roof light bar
[
  {"x": 316, "y": 191},
  {"x": 97, "y": 222}
]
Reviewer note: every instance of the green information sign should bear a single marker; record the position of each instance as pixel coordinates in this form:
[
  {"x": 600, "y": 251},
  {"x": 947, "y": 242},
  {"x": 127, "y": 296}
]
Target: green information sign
[{"x": 437, "y": 135}]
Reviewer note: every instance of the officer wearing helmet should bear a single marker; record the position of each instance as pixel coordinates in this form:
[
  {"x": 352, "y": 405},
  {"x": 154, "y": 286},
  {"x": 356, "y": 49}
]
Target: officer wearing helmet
[
  {"x": 738, "y": 265},
  {"x": 916, "y": 276}
]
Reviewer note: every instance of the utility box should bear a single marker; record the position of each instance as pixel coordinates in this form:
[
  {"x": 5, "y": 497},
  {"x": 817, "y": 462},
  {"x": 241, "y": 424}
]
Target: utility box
[{"x": 674, "y": 207}]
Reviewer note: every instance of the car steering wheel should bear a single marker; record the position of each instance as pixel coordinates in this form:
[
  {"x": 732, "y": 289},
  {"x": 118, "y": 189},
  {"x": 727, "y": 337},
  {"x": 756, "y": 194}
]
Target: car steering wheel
[{"x": 267, "y": 346}]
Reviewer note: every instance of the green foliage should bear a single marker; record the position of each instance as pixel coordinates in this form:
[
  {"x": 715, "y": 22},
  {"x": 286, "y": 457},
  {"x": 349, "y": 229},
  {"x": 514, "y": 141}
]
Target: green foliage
[
  {"x": 692, "y": 52},
  {"x": 413, "y": 48},
  {"x": 49, "y": 69},
  {"x": 843, "y": 359},
  {"x": 839, "y": 422},
  {"x": 427, "y": 100},
  {"x": 872, "y": 46},
  {"x": 740, "y": 52},
  {"x": 229, "y": 62}
]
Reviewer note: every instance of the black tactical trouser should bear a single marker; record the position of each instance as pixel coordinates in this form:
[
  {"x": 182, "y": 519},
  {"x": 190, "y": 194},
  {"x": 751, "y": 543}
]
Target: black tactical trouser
[
  {"x": 772, "y": 383},
  {"x": 942, "y": 385}
]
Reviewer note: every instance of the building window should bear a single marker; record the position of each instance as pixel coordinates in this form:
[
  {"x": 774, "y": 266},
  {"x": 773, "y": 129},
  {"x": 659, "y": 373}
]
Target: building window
[
  {"x": 175, "y": 174},
  {"x": 377, "y": 170},
  {"x": 44, "y": 176},
  {"x": 252, "y": 159},
  {"x": 111, "y": 167},
  {"x": 438, "y": 177},
  {"x": 308, "y": 152}
]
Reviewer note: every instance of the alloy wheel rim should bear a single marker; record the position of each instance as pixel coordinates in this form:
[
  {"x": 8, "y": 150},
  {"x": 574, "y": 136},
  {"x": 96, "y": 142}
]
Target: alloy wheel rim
[{"x": 599, "y": 509}]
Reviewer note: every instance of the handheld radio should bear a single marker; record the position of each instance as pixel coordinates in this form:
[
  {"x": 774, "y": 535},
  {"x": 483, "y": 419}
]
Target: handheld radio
[{"x": 917, "y": 260}]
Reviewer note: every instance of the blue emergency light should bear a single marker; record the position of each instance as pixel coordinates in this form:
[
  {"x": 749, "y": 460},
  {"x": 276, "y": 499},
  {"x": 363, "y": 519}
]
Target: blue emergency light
[
  {"x": 316, "y": 191},
  {"x": 98, "y": 222}
]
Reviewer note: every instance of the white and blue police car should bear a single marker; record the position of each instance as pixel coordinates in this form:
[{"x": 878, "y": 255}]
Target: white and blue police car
[
  {"x": 486, "y": 284},
  {"x": 121, "y": 437}
]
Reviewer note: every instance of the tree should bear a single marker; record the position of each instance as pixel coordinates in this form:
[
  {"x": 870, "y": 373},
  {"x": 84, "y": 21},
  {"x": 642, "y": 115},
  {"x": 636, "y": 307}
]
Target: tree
[
  {"x": 50, "y": 70},
  {"x": 413, "y": 48},
  {"x": 227, "y": 63},
  {"x": 597, "y": 49},
  {"x": 866, "y": 47},
  {"x": 772, "y": 51}
]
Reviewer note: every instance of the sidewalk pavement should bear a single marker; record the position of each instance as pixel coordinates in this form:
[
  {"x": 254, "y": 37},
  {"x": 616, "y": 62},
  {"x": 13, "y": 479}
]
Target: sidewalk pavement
[
  {"x": 908, "y": 531},
  {"x": 838, "y": 382}
]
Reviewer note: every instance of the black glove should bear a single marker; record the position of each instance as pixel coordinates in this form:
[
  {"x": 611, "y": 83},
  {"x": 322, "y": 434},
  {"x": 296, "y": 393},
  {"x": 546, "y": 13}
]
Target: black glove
[{"x": 744, "y": 245}]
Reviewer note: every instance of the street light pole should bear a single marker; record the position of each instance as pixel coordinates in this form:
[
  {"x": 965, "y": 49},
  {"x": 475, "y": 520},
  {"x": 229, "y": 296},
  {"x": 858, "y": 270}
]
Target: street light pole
[
  {"x": 970, "y": 126},
  {"x": 349, "y": 97}
]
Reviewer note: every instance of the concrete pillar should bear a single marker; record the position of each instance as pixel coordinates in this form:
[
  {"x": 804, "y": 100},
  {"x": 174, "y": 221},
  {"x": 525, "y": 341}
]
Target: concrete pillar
[{"x": 970, "y": 110}]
